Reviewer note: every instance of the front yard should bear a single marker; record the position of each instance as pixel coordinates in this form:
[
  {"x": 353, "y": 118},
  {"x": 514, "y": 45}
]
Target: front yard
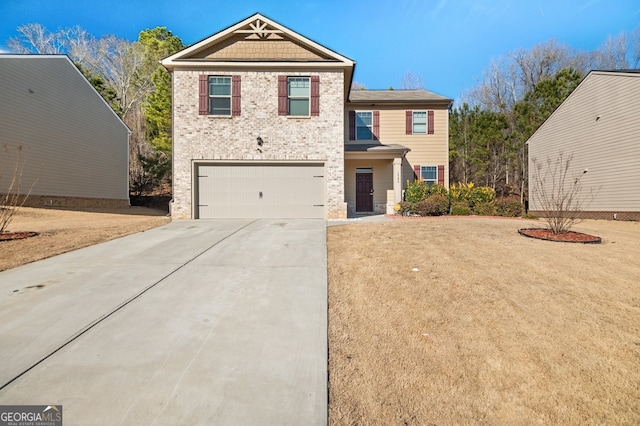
[{"x": 460, "y": 320}]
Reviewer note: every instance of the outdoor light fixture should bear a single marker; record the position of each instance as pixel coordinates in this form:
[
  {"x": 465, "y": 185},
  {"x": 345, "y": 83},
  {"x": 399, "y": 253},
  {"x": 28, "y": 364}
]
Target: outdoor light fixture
[{"x": 260, "y": 141}]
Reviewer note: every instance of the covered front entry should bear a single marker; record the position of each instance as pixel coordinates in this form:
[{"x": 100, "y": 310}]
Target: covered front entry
[
  {"x": 373, "y": 177},
  {"x": 364, "y": 190},
  {"x": 260, "y": 190}
]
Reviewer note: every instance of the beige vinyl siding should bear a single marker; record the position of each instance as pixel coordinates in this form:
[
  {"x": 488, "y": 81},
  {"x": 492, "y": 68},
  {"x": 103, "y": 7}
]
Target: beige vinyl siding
[
  {"x": 608, "y": 147},
  {"x": 426, "y": 149},
  {"x": 382, "y": 179},
  {"x": 73, "y": 143}
]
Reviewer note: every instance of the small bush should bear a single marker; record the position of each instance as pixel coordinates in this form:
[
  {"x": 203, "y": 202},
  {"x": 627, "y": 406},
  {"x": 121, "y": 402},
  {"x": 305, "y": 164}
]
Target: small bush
[
  {"x": 460, "y": 192},
  {"x": 482, "y": 194},
  {"x": 404, "y": 208},
  {"x": 421, "y": 208},
  {"x": 471, "y": 194},
  {"x": 509, "y": 207},
  {"x": 434, "y": 205},
  {"x": 438, "y": 189},
  {"x": 460, "y": 208},
  {"x": 416, "y": 191},
  {"x": 484, "y": 208}
]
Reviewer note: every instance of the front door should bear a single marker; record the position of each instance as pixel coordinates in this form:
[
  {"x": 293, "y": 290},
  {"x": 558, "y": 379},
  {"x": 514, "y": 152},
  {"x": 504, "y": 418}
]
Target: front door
[{"x": 364, "y": 192}]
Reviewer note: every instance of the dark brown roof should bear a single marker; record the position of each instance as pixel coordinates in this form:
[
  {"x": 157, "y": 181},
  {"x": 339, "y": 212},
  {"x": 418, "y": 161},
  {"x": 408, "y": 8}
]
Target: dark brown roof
[{"x": 396, "y": 96}]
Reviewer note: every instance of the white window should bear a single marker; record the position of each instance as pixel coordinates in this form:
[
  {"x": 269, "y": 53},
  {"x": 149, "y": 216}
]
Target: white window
[
  {"x": 364, "y": 125},
  {"x": 219, "y": 95},
  {"x": 429, "y": 174},
  {"x": 419, "y": 122},
  {"x": 298, "y": 94}
]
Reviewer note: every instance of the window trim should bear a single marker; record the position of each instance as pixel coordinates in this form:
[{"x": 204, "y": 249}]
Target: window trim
[
  {"x": 423, "y": 169},
  {"x": 289, "y": 97},
  {"x": 413, "y": 122},
  {"x": 229, "y": 96},
  {"x": 370, "y": 127}
]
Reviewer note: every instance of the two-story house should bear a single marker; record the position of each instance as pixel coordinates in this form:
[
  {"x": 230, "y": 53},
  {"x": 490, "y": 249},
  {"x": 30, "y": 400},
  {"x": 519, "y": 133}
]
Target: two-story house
[{"x": 265, "y": 125}]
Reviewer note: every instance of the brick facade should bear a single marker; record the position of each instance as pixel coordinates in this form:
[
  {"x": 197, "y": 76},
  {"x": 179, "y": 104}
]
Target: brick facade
[{"x": 201, "y": 137}]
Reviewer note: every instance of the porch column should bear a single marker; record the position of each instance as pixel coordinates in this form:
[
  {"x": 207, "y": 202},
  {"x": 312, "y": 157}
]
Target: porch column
[{"x": 397, "y": 180}]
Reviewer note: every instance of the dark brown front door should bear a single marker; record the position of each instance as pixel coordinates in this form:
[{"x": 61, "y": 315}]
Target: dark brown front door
[{"x": 364, "y": 192}]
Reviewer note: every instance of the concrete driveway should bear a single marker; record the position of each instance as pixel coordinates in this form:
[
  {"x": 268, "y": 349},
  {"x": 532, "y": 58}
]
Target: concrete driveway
[{"x": 196, "y": 322}]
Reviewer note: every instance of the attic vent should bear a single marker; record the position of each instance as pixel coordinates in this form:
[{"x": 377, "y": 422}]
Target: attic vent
[{"x": 260, "y": 30}]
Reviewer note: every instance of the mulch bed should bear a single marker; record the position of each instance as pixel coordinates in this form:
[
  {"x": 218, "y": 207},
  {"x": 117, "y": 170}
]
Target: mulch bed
[
  {"x": 565, "y": 237},
  {"x": 9, "y": 236}
]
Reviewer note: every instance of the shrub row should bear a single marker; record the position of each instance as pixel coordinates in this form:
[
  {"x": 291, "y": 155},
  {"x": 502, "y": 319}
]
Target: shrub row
[{"x": 459, "y": 200}]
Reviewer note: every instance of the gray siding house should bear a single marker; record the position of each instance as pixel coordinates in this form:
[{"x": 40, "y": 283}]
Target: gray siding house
[
  {"x": 599, "y": 126},
  {"x": 75, "y": 147}
]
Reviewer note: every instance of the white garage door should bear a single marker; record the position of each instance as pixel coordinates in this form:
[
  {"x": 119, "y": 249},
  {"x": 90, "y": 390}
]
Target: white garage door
[{"x": 260, "y": 191}]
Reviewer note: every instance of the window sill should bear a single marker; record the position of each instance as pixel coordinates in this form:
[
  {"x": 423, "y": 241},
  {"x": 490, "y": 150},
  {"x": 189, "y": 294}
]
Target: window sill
[{"x": 303, "y": 117}]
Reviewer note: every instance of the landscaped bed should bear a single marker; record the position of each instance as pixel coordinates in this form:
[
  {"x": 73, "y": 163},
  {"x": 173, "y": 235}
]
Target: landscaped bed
[{"x": 461, "y": 320}]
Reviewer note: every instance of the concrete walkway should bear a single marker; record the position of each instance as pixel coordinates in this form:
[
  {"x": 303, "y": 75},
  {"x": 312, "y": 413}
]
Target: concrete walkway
[{"x": 196, "y": 322}]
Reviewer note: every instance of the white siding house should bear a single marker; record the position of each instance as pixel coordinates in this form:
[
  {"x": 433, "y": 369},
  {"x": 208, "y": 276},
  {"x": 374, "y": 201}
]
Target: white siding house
[
  {"x": 598, "y": 125},
  {"x": 75, "y": 147}
]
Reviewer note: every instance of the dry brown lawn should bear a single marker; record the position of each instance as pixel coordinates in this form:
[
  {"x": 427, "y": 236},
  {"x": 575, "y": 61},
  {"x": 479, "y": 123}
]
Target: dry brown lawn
[
  {"x": 65, "y": 230},
  {"x": 493, "y": 328}
]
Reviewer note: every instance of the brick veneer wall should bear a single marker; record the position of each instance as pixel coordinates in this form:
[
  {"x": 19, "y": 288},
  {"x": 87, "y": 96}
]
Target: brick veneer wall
[{"x": 200, "y": 137}]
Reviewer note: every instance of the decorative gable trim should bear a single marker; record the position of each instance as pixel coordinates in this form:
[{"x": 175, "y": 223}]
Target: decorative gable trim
[
  {"x": 260, "y": 29},
  {"x": 256, "y": 27}
]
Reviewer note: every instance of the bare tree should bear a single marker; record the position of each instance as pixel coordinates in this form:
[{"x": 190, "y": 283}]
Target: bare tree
[
  {"x": 35, "y": 38},
  {"x": 618, "y": 52},
  {"x": 498, "y": 91},
  {"x": 411, "y": 81},
  {"x": 543, "y": 61},
  {"x": 11, "y": 199},
  {"x": 356, "y": 85},
  {"x": 82, "y": 48},
  {"x": 558, "y": 194}
]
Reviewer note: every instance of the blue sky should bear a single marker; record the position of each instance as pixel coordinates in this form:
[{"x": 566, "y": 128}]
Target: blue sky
[{"x": 447, "y": 42}]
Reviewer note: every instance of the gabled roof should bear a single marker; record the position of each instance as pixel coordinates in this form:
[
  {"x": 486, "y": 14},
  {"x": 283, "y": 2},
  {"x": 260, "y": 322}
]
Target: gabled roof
[
  {"x": 258, "y": 41},
  {"x": 420, "y": 96}
]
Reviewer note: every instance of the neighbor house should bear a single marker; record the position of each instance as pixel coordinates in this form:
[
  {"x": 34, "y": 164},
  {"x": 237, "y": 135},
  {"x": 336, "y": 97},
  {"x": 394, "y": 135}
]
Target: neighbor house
[
  {"x": 75, "y": 149},
  {"x": 265, "y": 125},
  {"x": 598, "y": 128}
]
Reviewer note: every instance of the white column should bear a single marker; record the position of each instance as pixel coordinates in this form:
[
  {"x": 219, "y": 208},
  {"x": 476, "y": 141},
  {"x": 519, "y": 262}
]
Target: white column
[{"x": 397, "y": 180}]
